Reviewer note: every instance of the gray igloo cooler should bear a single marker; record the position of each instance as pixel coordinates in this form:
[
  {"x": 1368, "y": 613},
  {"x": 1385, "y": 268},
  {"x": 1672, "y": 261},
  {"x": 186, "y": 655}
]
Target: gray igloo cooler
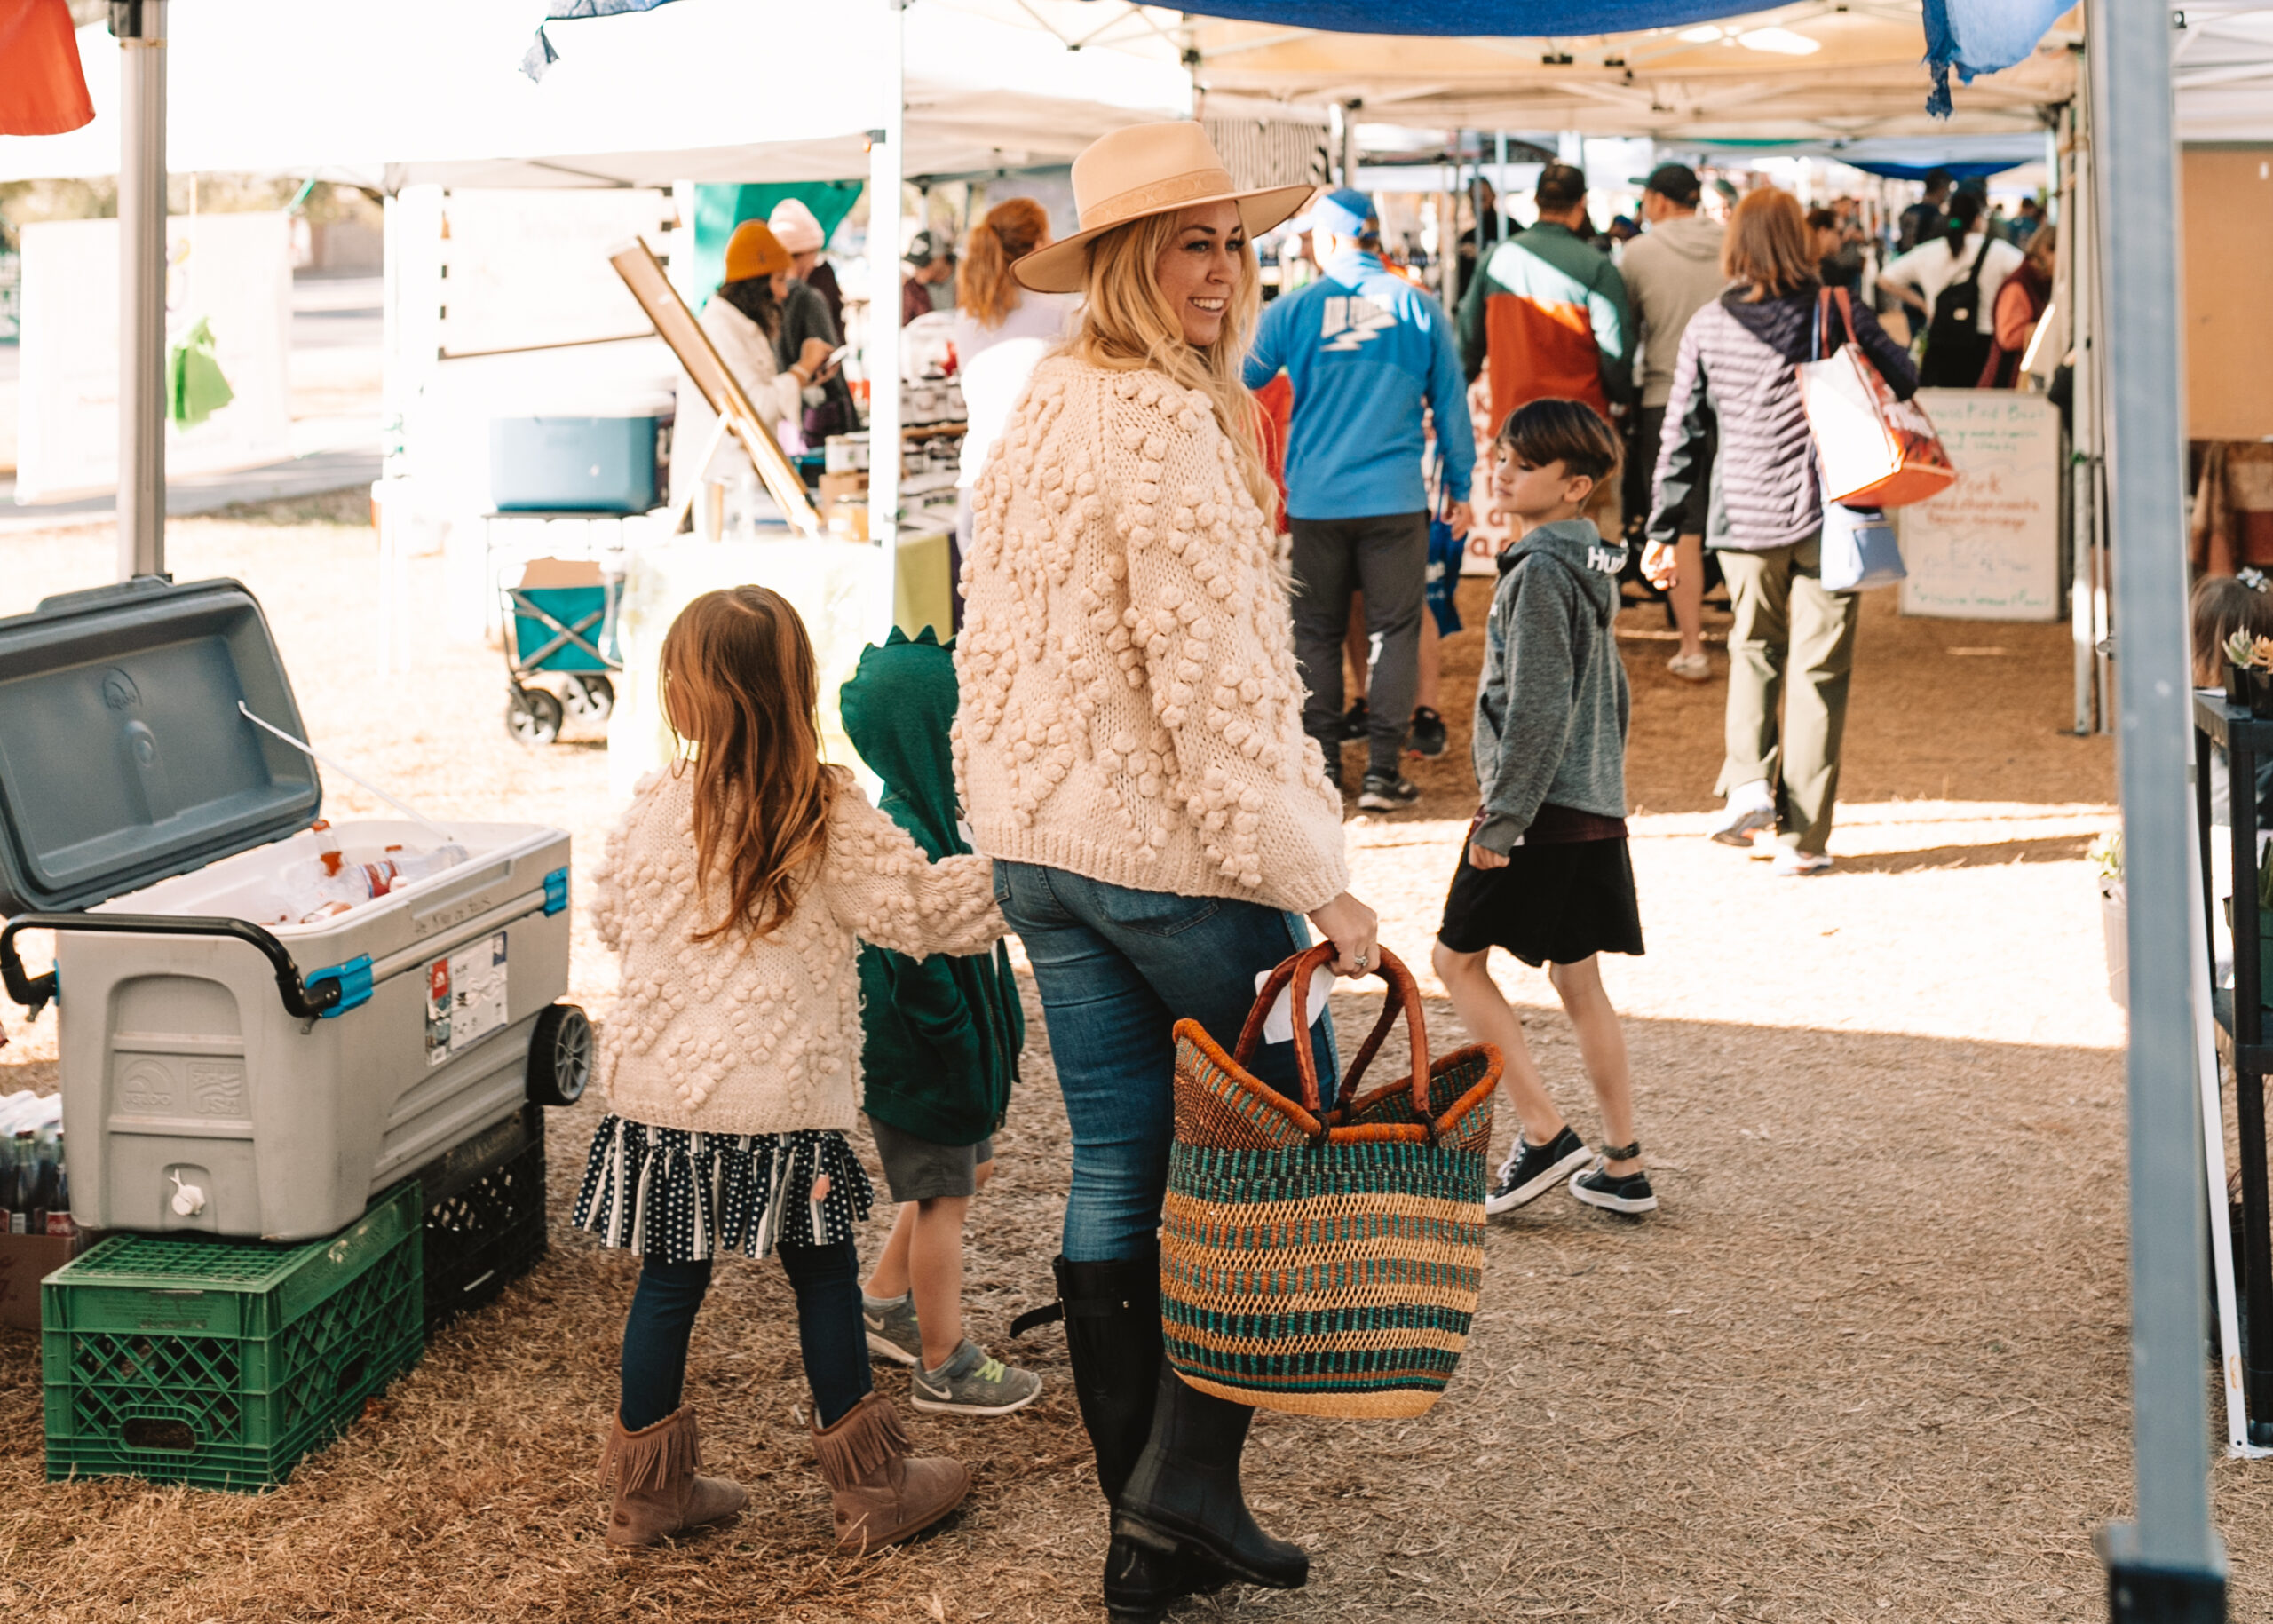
[{"x": 223, "y": 1072}]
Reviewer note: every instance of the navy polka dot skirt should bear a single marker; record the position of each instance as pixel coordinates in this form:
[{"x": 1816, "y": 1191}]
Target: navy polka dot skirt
[{"x": 678, "y": 1196}]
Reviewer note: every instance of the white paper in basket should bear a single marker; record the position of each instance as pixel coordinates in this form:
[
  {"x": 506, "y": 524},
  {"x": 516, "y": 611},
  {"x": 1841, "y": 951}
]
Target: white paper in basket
[{"x": 1278, "y": 1025}]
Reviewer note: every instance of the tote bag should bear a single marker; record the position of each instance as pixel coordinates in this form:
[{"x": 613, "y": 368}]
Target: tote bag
[
  {"x": 1873, "y": 451},
  {"x": 1325, "y": 1259},
  {"x": 1860, "y": 550}
]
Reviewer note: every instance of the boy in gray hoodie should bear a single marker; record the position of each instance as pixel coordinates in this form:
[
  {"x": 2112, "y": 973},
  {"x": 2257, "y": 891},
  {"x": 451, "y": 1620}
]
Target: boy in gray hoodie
[{"x": 1546, "y": 874}]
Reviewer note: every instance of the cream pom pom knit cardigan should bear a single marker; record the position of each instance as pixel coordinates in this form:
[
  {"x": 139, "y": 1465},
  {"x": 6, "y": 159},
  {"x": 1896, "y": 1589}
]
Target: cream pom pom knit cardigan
[
  {"x": 1130, "y": 707},
  {"x": 750, "y": 1035}
]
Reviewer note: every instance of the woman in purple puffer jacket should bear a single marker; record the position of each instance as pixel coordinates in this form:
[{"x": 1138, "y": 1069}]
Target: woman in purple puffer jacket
[{"x": 1735, "y": 379}]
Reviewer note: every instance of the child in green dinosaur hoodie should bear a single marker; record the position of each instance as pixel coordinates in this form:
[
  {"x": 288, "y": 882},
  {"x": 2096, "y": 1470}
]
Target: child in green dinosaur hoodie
[{"x": 940, "y": 1048}]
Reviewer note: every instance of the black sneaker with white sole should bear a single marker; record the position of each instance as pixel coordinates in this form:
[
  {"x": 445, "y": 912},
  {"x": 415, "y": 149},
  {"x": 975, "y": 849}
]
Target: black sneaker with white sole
[
  {"x": 1387, "y": 792},
  {"x": 1356, "y": 722},
  {"x": 1532, "y": 1170},
  {"x": 1628, "y": 1193},
  {"x": 1429, "y": 737}
]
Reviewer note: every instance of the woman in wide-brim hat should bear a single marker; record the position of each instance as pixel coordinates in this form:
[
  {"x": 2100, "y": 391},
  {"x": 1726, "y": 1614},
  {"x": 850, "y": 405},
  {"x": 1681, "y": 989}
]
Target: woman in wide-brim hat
[{"x": 1130, "y": 752}]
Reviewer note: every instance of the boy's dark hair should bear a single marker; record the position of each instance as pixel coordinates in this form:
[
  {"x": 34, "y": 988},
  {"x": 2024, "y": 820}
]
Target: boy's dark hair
[{"x": 1566, "y": 432}]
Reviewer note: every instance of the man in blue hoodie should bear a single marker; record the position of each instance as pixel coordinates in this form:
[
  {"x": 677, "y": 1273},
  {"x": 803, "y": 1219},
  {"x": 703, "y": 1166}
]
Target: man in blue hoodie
[{"x": 1365, "y": 351}]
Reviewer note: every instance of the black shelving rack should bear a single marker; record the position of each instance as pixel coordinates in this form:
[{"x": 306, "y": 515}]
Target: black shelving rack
[{"x": 2247, "y": 739}]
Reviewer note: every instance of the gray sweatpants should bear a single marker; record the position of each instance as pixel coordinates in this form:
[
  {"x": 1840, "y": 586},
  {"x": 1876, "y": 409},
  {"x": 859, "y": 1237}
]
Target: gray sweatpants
[{"x": 1386, "y": 558}]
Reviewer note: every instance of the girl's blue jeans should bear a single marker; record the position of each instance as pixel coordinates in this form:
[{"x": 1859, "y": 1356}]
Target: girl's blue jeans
[
  {"x": 830, "y": 1334},
  {"x": 1117, "y": 969}
]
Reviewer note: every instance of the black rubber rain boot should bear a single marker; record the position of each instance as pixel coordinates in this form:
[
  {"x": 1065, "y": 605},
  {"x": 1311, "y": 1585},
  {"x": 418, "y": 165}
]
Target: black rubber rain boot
[
  {"x": 1183, "y": 1505},
  {"x": 1112, "y": 1331}
]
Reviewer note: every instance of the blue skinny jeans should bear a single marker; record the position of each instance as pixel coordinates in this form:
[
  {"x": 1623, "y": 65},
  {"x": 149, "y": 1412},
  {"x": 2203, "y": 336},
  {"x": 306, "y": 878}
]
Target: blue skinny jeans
[
  {"x": 830, "y": 1334},
  {"x": 1117, "y": 969}
]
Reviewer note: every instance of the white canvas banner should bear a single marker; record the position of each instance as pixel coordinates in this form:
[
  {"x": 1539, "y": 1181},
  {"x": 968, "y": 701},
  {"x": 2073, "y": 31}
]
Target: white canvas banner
[{"x": 233, "y": 271}]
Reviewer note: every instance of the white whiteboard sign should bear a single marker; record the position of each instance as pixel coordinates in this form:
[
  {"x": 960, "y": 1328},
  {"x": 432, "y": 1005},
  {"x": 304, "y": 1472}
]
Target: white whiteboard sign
[
  {"x": 234, "y": 271},
  {"x": 1988, "y": 549}
]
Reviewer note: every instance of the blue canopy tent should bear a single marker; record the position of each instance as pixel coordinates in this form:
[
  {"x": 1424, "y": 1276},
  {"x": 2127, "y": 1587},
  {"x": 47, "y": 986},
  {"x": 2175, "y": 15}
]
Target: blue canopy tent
[{"x": 2168, "y": 1563}]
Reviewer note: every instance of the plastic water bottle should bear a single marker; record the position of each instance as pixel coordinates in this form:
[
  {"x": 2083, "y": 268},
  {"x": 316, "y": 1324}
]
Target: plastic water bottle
[{"x": 331, "y": 884}]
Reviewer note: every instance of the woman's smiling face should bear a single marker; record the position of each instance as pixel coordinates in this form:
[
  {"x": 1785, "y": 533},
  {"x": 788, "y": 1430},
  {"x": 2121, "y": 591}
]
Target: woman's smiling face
[{"x": 1200, "y": 268}]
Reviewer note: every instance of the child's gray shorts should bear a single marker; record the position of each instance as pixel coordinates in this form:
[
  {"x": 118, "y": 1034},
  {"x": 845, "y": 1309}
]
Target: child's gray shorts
[{"x": 918, "y": 1170}]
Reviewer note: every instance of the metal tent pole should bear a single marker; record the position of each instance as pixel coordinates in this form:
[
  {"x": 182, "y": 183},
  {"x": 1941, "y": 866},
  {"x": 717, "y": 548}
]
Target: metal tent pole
[
  {"x": 140, "y": 28},
  {"x": 886, "y": 164},
  {"x": 2078, "y": 231},
  {"x": 2168, "y": 1564}
]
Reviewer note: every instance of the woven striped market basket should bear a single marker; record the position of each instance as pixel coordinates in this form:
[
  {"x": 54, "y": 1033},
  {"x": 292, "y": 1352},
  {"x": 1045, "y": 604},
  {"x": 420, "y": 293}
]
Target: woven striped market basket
[{"x": 1324, "y": 1261}]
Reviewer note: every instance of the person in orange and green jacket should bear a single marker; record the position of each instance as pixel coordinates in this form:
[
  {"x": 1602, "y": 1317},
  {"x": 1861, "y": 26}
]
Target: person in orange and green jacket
[
  {"x": 941, "y": 1037},
  {"x": 1548, "y": 317}
]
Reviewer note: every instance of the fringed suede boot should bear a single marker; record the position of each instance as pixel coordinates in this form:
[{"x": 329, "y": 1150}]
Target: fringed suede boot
[
  {"x": 882, "y": 1493},
  {"x": 657, "y": 1491},
  {"x": 1184, "y": 1505}
]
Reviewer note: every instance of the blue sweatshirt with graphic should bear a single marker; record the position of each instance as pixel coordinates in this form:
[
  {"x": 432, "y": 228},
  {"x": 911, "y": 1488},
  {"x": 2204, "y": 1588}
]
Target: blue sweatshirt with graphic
[{"x": 1365, "y": 350}]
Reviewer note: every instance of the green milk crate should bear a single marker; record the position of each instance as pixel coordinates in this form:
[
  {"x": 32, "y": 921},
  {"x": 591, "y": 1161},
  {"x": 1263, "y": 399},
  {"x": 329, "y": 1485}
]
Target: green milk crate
[{"x": 222, "y": 1362}]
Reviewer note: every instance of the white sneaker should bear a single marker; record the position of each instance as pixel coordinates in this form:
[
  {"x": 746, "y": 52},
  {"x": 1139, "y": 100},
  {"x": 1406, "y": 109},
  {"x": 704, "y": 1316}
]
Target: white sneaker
[
  {"x": 1691, "y": 668},
  {"x": 1799, "y": 865},
  {"x": 1748, "y": 809}
]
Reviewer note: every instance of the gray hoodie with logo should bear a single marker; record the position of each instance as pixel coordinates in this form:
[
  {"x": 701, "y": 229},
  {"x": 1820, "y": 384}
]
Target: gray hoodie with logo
[
  {"x": 1671, "y": 271},
  {"x": 1552, "y": 704}
]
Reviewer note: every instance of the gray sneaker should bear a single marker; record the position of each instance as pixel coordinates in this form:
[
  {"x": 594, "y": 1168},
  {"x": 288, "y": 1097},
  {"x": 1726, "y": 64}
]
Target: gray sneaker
[
  {"x": 971, "y": 1383},
  {"x": 892, "y": 1329}
]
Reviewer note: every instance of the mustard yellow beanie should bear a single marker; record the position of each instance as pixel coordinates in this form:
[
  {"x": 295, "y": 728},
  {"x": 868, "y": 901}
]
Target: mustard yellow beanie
[{"x": 754, "y": 251}]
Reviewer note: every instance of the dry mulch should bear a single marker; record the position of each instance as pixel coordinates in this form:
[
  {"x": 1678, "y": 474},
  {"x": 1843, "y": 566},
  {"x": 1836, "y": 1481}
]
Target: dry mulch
[{"x": 1869, "y": 1362}]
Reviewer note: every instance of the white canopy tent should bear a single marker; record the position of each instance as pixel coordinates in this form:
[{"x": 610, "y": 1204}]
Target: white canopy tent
[{"x": 431, "y": 92}]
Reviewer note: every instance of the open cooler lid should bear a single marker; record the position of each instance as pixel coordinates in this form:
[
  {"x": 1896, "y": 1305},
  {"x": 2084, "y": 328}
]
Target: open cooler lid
[{"x": 123, "y": 758}]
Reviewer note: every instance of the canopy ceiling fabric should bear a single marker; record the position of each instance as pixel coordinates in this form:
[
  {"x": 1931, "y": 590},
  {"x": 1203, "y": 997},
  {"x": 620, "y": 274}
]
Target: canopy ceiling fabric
[
  {"x": 1802, "y": 71},
  {"x": 2221, "y": 63},
  {"x": 683, "y": 92}
]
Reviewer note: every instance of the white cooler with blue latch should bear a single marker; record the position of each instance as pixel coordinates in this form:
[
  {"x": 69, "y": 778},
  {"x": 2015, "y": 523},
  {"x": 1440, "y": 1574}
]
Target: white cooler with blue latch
[{"x": 225, "y": 1072}]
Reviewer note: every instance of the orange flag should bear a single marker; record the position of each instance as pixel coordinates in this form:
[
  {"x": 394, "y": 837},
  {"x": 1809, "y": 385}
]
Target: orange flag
[{"x": 41, "y": 91}]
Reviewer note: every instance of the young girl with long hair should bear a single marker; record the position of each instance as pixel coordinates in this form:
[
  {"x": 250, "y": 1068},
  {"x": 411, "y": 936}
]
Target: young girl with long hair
[
  {"x": 734, "y": 893},
  {"x": 1130, "y": 751}
]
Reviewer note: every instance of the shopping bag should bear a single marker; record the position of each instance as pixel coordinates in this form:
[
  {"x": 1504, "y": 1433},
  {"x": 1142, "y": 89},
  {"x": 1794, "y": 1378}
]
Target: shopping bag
[
  {"x": 194, "y": 387},
  {"x": 1445, "y": 553},
  {"x": 1325, "y": 1258},
  {"x": 1860, "y": 550},
  {"x": 1873, "y": 449}
]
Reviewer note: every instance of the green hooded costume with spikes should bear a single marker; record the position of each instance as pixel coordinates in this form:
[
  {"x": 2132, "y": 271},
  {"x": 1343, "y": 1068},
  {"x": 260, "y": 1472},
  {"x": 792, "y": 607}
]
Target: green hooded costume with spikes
[{"x": 942, "y": 1034}]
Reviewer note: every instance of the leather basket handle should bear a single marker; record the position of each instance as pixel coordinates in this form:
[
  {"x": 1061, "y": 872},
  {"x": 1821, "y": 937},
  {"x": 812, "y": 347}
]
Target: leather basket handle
[
  {"x": 1294, "y": 973},
  {"x": 1293, "y": 976},
  {"x": 1404, "y": 997}
]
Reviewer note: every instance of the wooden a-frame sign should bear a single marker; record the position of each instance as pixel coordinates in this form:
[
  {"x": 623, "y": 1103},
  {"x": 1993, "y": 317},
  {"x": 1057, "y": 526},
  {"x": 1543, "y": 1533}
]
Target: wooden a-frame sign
[{"x": 643, "y": 274}]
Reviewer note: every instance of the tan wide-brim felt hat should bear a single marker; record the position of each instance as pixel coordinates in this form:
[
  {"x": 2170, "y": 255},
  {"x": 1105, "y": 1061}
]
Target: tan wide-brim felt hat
[{"x": 1145, "y": 170}]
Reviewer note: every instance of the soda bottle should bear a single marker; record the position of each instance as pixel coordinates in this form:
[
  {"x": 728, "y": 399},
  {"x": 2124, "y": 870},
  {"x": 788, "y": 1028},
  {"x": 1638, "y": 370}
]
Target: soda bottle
[
  {"x": 27, "y": 1165},
  {"x": 58, "y": 1194}
]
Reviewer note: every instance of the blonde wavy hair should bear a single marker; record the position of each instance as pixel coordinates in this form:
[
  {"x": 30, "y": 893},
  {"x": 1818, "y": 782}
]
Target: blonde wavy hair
[{"x": 1128, "y": 325}]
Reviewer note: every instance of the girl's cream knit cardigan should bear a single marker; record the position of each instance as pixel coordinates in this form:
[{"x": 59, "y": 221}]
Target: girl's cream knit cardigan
[
  {"x": 741, "y": 1036},
  {"x": 1130, "y": 707}
]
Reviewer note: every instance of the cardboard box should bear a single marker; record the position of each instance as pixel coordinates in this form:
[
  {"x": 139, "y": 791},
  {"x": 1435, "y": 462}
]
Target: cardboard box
[
  {"x": 25, "y": 1261},
  {"x": 836, "y": 488}
]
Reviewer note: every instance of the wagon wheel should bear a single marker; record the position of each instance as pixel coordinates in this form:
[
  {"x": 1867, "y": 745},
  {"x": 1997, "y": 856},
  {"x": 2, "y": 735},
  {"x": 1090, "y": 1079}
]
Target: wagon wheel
[
  {"x": 533, "y": 715},
  {"x": 590, "y": 696}
]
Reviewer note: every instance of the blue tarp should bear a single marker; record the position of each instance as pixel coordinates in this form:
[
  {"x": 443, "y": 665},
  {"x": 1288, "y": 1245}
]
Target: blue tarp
[
  {"x": 1981, "y": 36},
  {"x": 1525, "y": 18}
]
